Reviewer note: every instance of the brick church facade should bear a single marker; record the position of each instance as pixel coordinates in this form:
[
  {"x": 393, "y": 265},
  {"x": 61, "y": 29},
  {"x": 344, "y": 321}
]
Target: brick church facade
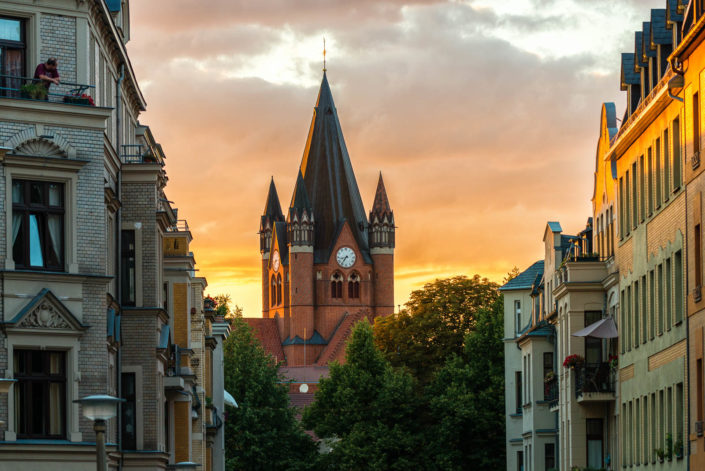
[{"x": 326, "y": 264}]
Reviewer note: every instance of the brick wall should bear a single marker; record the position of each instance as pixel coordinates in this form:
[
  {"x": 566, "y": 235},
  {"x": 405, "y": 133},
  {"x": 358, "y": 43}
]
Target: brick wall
[{"x": 58, "y": 35}]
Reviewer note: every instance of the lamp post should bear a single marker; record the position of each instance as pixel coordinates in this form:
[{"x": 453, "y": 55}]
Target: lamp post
[{"x": 100, "y": 408}]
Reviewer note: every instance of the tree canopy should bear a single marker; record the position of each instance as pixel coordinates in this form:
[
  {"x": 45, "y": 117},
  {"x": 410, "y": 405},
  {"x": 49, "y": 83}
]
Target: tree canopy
[
  {"x": 262, "y": 433},
  {"x": 434, "y": 323}
]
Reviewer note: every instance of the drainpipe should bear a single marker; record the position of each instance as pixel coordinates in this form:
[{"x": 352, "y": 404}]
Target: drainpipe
[
  {"x": 677, "y": 81},
  {"x": 118, "y": 249},
  {"x": 686, "y": 435}
]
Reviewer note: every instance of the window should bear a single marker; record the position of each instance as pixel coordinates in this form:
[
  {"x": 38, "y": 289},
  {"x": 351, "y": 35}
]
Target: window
[
  {"x": 517, "y": 315},
  {"x": 700, "y": 385},
  {"x": 129, "y": 411},
  {"x": 644, "y": 315},
  {"x": 279, "y": 290},
  {"x": 127, "y": 268},
  {"x": 698, "y": 256},
  {"x": 622, "y": 224},
  {"x": 660, "y": 298},
  {"x": 669, "y": 293},
  {"x": 666, "y": 167},
  {"x": 273, "y": 291},
  {"x": 593, "y": 346},
  {"x": 677, "y": 175},
  {"x": 642, "y": 194},
  {"x": 547, "y": 363},
  {"x": 12, "y": 54},
  {"x": 623, "y": 323},
  {"x": 336, "y": 286},
  {"x": 38, "y": 225},
  {"x": 520, "y": 461},
  {"x": 549, "y": 456},
  {"x": 628, "y": 336},
  {"x": 678, "y": 288},
  {"x": 354, "y": 286},
  {"x": 650, "y": 177},
  {"x": 696, "y": 124},
  {"x": 657, "y": 177},
  {"x": 637, "y": 313},
  {"x": 680, "y": 420},
  {"x": 652, "y": 308},
  {"x": 635, "y": 197},
  {"x": 40, "y": 393},
  {"x": 518, "y": 391}
]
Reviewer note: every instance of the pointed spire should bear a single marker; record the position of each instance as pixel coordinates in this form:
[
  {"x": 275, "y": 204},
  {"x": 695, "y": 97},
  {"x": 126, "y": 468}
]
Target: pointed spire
[
  {"x": 381, "y": 204},
  {"x": 272, "y": 208},
  {"x": 329, "y": 177},
  {"x": 300, "y": 201}
]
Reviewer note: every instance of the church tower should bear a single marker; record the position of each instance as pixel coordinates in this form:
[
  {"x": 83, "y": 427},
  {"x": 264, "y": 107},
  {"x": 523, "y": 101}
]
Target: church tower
[{"x": 335, "y": 262}]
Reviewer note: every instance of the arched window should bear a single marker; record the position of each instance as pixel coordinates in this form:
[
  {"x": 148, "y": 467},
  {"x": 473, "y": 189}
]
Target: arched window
[
  {"x": 354, "y": 286},
  {"x": 273, "y": 294},
  {"x": 336, "y": 286},
  {"x": 279, "y": 290}
]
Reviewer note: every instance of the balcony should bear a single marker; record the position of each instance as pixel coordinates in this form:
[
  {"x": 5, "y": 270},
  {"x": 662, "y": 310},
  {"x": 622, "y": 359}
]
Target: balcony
[
  {"x": 550, "y": 392},
  {"x": 594, "y": 382},
  {"x": 27, "y": 88},
  {"x": 139, "y": 154}
]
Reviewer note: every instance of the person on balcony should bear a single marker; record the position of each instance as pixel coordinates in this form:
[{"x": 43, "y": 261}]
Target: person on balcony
[{"x": 48, "y": 73}]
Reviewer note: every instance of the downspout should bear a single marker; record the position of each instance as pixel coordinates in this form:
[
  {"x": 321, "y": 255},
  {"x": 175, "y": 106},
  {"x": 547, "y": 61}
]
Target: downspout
[
  {"x": 680, "y": 72},
  {"x": 118, "y": 249}
]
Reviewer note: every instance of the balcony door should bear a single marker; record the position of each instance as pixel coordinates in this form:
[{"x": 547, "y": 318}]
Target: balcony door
[
  {"x": 12, "y": 55},
  {"x": 595, "y": 441},
  {"x": 593, "y": 346}
]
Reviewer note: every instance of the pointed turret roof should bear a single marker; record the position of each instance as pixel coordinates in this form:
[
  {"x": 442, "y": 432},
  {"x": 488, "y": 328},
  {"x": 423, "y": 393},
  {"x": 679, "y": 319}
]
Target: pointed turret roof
[
  {"x": 272, "y": 208},
  {"x": 381, "y": 204},
  {"x": 300, "y": 201},
  {"x": 329, "y": 178}
]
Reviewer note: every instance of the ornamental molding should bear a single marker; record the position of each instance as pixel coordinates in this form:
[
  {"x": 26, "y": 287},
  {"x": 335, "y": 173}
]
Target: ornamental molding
[
  {"x": 45, "y": 315},
  {"x": 45, "y": 312},
  {"x": 37, "y": 142}
]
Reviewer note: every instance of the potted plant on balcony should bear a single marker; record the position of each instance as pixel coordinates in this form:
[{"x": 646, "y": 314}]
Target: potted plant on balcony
[
  {"x": 669, "y": 446},
  {"x": 82, "y": 99},
  {"x": 678, "y": 448},
  {"x": 33, "y": 91},
  {"x": 571, "y": 361}
]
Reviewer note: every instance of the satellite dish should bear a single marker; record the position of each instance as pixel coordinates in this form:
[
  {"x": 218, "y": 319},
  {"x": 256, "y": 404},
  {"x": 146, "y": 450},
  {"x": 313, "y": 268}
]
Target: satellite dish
[{"x": 303, "y": 388}]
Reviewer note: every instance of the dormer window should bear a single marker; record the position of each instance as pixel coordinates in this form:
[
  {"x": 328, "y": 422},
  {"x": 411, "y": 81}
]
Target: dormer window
[{"x": 336, "y": 286}]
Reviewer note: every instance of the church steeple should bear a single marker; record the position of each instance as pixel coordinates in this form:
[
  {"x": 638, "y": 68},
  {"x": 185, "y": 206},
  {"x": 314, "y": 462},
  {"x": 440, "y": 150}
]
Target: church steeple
[
  {"x": 329, "y": 178},
  {"x": 381, "y": 219},
  {"x": 300, "y": 222},
  {"x": 272, "y": 213}
]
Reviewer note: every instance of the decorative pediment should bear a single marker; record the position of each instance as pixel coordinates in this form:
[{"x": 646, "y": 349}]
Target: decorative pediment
[
  {"x": 36, "y": 142},
  {"x": 45, "y": 311}
]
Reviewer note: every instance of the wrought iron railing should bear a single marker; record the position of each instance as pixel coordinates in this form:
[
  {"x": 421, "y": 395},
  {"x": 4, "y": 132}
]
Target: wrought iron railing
[
  {"x": 180, "y": 226},
  {"x": 27, "y": 88},
  {"x": 593, "y": 378},
  {"x": 550, "y": 391},
  {"x": 138, "y": 154}
]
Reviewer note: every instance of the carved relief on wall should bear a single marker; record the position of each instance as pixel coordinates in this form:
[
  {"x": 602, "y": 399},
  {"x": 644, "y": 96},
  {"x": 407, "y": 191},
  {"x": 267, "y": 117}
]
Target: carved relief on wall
[{"x": 46, "y": 316}]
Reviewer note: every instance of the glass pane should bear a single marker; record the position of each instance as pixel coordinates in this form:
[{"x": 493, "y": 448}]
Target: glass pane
[
  {"x": 595, "y": 454},
  {"x": 35, "y": 193},
  {"x": 18, "y": 239},
  {"x": 36, "y": 257},
  {"x": 36, "y": 403},
  {"x": 55, "y": 194},
  {"x": 55, "y": 226},
  {"x": 10, "y": 29},
  {"x": 56, "y": 363},
  {"x": 55, "y": 408},
  {"x": 17, "y": 193}
]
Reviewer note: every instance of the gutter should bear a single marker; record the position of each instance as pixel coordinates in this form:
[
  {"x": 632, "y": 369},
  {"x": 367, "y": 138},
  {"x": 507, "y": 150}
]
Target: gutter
[{"x": 118, "y": 250}]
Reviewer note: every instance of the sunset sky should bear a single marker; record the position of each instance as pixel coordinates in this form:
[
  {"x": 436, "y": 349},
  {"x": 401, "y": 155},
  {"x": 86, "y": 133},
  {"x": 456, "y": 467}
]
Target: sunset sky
[{"x": 482, "y": 116}]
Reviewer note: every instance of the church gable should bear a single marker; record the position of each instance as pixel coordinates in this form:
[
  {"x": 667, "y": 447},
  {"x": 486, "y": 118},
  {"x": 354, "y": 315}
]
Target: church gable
[
  {"x": 344, "y": 237},
  {"x": 45, "y": 312}
]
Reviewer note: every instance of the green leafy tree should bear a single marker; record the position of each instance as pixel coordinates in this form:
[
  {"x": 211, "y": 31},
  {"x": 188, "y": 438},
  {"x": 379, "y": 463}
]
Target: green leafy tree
[
  {"x": 223, "y": 306},
  {"x": 466, "y": 400},
  {"x": 367, "y": 410},
  {"x": 262, "y": 433},
  {"x": 434, "y": 323}
]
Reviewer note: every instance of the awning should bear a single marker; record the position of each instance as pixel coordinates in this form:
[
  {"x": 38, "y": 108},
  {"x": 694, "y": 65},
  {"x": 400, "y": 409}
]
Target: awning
[
  {"x": 602, "y": 329},
  {"x": 229, "y": 399}
]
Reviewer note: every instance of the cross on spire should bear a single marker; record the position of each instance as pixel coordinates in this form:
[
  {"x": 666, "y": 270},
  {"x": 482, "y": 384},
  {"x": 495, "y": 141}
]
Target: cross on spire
[{"x": 324, "y": 53}]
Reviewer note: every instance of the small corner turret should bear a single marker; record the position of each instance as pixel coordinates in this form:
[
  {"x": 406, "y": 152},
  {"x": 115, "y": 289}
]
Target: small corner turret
[
  {"x": 272, "y": 214},
  {"x": 300, "y": 221},
  {"x": 381, "y": 227}
]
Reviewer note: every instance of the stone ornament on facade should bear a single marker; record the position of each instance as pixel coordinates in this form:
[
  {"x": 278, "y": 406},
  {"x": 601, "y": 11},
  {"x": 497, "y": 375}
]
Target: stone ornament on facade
[
  {"x": 45, "y": 316},
  {"x": 37, "y": 142}
]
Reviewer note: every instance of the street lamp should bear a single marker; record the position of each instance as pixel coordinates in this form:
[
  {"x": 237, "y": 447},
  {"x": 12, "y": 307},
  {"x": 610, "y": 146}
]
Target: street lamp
[{"x": 100, "y": 408}]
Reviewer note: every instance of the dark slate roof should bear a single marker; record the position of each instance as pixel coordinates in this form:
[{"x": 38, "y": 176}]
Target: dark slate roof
[
  {"x": 316, "y": 339},
  {"x": 280, "y": 229},
  {"x": 114, "y": 5},
  {"x": 330, "y": 180},
  {"x": 628, "y": 76},
  {"x": 672, "y": 12},
  {"x": 272, "y": 208},
  {"x": 381, "y": 203},
  {"x": 526, "y": 279},
  {"x": 658, "y": 32},
  {"x": 300, "y": 201},
  {"x": 638, "y": 59},
  {"x": 646, "y": 50},
  {"x": 555, "y": 226}
]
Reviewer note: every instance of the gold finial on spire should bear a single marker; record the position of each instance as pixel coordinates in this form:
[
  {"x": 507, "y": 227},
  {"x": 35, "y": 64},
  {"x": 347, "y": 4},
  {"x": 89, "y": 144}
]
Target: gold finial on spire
[{"x": 324, "y": 53}]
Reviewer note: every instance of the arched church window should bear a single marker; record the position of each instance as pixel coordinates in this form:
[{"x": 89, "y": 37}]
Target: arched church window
[
  {"x": 354, "y": 286},
  {"x": 279, "y": 290},
  {"x": 336, "y": 286},
  {"x": 273, "y": 294}
]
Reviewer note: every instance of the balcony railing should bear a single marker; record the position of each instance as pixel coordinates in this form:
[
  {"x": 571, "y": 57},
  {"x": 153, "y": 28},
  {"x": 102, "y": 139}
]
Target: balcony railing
[
  {"x": 138, "y": 154},
  {"x": 550, "y": 391},
  {"x": 593, "y": 378},
  {"x": 27, "y": 88}
]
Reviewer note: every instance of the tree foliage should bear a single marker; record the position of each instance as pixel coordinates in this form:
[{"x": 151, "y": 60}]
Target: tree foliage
[
  {"x": 368, "y": 409},
  {"x": 434, "y": 323},
  {"x": 262, "y": 433},
  {"x": 223, "y": 306}
]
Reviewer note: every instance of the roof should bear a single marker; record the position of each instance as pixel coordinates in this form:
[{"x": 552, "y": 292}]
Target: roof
[
  {"x": 555, "y": 226},
  {"x": 381, "y": 203},
  {"x": 628, "y": 76},
  {"x": 525, "y": 279},
  {"x": 267, "y": 333},
  {"x": 638, "y": 58},
  {"x": 658, "y": 34},
  {"x": 672, "y": 11},
  {"x": 114, "y": 5},
  {"x": 272, "y": 208},
  {"x": 300, "y": 201},
  {"x": 330, "y": 180}
]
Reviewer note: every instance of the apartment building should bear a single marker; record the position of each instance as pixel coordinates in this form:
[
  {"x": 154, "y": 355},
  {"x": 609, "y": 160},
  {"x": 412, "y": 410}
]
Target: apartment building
[{"x": 98, "y": 293}]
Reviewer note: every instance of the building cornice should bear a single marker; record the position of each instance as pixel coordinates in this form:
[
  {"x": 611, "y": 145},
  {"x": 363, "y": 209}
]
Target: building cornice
[{"x": 58, "y": 114}]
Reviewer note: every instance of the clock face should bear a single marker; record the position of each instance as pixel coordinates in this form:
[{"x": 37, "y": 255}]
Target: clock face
[
  {"x": 345, "y": 257},
  {"x": 275, "y": 260}
]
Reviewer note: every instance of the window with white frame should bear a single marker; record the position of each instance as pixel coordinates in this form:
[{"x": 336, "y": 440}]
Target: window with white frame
[{"x": 517, "y": 315}]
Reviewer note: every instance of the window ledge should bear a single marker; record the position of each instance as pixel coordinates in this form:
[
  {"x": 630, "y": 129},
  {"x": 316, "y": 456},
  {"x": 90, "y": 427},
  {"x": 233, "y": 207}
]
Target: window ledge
[{"x": 39, "y": 162}]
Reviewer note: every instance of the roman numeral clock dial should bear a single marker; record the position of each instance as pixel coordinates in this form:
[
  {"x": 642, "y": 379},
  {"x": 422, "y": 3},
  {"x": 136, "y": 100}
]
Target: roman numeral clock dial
[{"x": 345, "y": 257}]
